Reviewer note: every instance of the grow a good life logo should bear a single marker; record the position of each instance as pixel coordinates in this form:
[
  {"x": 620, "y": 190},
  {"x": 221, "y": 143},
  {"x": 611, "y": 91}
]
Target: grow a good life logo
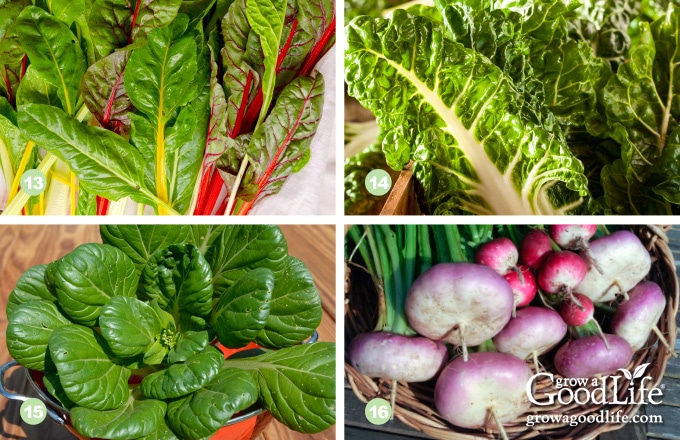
[{"x": 599, "y": 391}]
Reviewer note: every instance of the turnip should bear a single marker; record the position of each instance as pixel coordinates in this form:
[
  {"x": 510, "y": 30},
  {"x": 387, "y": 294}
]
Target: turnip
[
  {"x": 488, "y": 386},
  {"x": 535, "y": 248},
  {"x": 636, "y": 317},
  {"x": 534, "y": 331},
  {"x": 461, "y": 303},
  {"x": 589, "y": 357},
  {"x": 397, "y": 357},
  {"x": 575, "y": 238},
  {"x": 500, "y": 254},
  {"x": 577, "y": 311},
  {"x": 561, "y": 272},
  {"x": 523, "y": 286},
  {"x": 625, "y": 262}
]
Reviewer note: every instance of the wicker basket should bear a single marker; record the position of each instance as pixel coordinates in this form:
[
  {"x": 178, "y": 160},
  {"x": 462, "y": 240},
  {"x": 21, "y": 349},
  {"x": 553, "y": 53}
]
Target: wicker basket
[{"x": 414, "y": 401}]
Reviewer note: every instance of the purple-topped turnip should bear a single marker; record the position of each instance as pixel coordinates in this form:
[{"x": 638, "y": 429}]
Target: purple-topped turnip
[
  {"x": 461, "y": 303},
  {"x": 487, "y": 387},
  {"x": 625, "y": 262},
  {"x": 637, "y": 316},
  {"x": 590, "y": 356}
]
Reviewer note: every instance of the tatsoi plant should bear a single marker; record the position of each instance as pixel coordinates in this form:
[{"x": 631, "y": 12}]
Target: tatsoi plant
[
  {"x": 162, "y": 103},
  {"x": 531, "y": 107},
  {"x": 148, "y": 304}
]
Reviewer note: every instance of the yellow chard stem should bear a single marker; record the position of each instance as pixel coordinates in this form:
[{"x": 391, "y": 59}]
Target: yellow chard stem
[
  {"x": 22, "y": 167},
  {"x": 18, "y": 202}
]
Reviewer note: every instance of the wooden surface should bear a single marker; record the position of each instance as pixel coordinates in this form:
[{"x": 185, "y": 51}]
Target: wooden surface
[
  {"x": 24, "y": 246},
  {"x": 357, "y": 427}
]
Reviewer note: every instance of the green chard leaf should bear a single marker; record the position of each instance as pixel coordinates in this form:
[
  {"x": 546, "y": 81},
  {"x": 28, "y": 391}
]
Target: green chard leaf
[
  {"x": 129, "y": 326},
  {"x": 297, "y": 384},
  {"x": 30, "y": 287},
  {"x": 54, "y": 53},
  {"x": 179, "y": 278},
  {"x": 86, "y": 278},
  {"x": 460, "y": 119},
  {"x": 117, "y": 24},
  {"x": 295, "y": 310},
  {"x": 65, "y": 10},
  {"x": 231, "y": 391},
  {"x": 89, "y": 378},
  {"x": 218, "y": 140},
  {"x": 29, "y": 330},
  {"x": 135, "y": 418},
  {"x": 11, "y": 52},
  {"x": 12, "y": 146},
  {"x": 242, "y": 310},
  {"x": 33, "y": 89}
]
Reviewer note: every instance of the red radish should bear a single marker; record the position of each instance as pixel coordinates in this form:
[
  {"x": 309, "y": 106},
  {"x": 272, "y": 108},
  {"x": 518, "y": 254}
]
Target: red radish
[
  {"x": 589, "y": 357},
  {"x": 575, "y": 238},
  {"x": 489, "y": 386},
  {"x": 577, "y": 314},
  {"x": 523, "y": 287},
  {"x": 397, "y": 357},
  {"x": 625, "y": 262},
  {"x": 500, "y": 254},
  {"x": 535, "y": 330},
  {"x": 461, "y": 303},
  {"x": 561, "y": 272},
  {"x": 535, "y": 248},
  {"x": 636, "y": 317}
]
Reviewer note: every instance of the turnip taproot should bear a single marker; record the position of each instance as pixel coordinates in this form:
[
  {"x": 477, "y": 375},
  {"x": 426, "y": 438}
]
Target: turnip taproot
[
  {"x": 397, "y": 357},
  {"x": 500, "y": 254},
  {"x": 535, "y": 330},
  {"x": 535, "y": 248},
  {"x": 590, "y": 356},
  {"x": 636, "y": 317},
  {"x": 624, "y": 261},
  {"x": 461, "y": 303},
  {"x": 488, "y": 386}
]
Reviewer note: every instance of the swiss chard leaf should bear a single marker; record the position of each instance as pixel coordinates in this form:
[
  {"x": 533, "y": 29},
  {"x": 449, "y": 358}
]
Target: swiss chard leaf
[
  {"x": 232, "y": 390},
  {"x": 136, "y": 418},
  {"x": 33, "y": 89},
  {"x": 29, "y": 331},
  {"x": 297, "y": 384},
  {"x": 53, "y": 52},
  {"x": 242, "y": 310},
  {"x": 30, "y": 287},
  {"x": 184, "y": 378},
  {"x": 129, "y": 326},
  {"x": 90, "y": 379},
  {"x": 179, "y": 278},
  {"x": 460, "y": 119},
  {"x": 295, "y": 309},
  {"x": 88, "y": 277}
]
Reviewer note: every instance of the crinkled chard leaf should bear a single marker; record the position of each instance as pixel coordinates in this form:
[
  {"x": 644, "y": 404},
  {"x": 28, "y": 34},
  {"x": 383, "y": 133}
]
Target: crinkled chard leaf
[
  {"x": 118, "y": 23},
  {"x": 33, "y": 89},
  {"x": 65, "y": 10},
  {"x": 88, "y": 277},
  {"x": 188, "y": 343},
  {"x": 242, "y": 248},
  {"x": 29, "y": 330},
  {"x": 295, "y": 310},
  {"x": 139, "y": 242},
  {"x": 103, "y": 91},
  {"x": 136, "y": 418},
  {"x": 460, "y": 119},
  {"x": 179, "y": 278},
  {"x": 104, "y": 163},
  {"x": 217, "y": 141},
  {"x": 11, "y": 52},
  {"x": 184, "y": 378},
  {"x": 89, "y": 378},
  {"x": 129, "y": 326},
  {"x": 53, "y": 52},
  {"x": 203, "y": 412},
  {"x": 242, "y": 310},
  {"x": 297, "y": 384},
  {"x": 30, "y": 287},
  {"x": 280, "y": 147}
]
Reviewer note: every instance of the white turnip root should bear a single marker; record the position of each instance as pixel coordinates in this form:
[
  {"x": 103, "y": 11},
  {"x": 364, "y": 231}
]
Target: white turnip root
[
  {"x": 523, "y": 286},
  {"x": 500, "y": 254},
  {"x": 534, "y": 331},
  {"x": 575, "y": 238},
  {"x": 397, "y": 357},
  {"x": 590, "y": 356},
  {"x": 535, "y": 248},
  {"x": 488, "y": 387},
  {"x": 636, "y": 317},
  {"x": 625, "y": 262},
  {"x": 461, "y": 303}
]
